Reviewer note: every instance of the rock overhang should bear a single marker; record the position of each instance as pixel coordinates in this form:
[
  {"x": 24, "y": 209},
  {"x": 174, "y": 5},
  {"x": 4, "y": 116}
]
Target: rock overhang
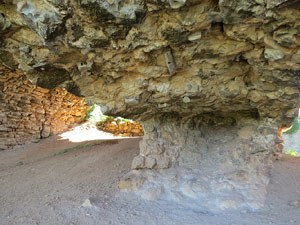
[{"x": 184, "y": 68}]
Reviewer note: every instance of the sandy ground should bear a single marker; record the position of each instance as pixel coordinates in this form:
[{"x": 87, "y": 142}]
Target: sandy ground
[{"x": 80, "y": 188}]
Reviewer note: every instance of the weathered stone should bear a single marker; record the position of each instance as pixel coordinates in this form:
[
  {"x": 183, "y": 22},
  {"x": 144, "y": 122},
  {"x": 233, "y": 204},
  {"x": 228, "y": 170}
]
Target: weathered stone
[
  {"x": 138, "y": 162},
  {"x": 87, "y": 203},
  {"x": 192, "y": 189},
  {"x": 4, "y": 23},
  {"x": 195, "y": 36},
  {"x": 246, "y": 132},
  {"x": 46, "y": 131},
  {"x": 273, "y": 54},
  {"x": 170, "y": 62},
  {"x": 45, "y": 23},
  {"x": 175, "y": 4},
  {"x": 186, "y": 99},
  {"x": 150, "y": 163},
  {"x": 162, "y": 162},
  {"x": 131, "y": 181},
  {"x": 211, "y": 82},
  {"x": 152, "y": 193}
]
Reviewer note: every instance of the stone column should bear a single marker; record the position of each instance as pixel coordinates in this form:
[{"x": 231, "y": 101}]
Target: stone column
[{"x": 216, "y": 161}]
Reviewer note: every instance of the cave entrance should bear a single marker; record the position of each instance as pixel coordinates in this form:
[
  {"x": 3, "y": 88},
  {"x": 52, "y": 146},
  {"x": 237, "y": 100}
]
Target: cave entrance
[
  {"x": 102, "y": 127},
  {"x": 291, "y": 138},
  {"x": 29, "y": 113}
]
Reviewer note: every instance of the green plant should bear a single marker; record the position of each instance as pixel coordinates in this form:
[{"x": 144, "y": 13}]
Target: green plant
[
  {"x": 295, "y": 127},
  {"x": 123, "y": 119},
  {"x": 89, "y": 113},
  {"x": 292, "y": 153},
  {"x": 19, "y": 163},
  {"x": 95, "y": 115}
]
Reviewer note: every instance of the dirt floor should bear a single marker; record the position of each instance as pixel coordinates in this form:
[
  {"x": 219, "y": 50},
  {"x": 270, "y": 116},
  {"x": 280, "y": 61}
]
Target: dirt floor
[{"x": 62, "y": 182}]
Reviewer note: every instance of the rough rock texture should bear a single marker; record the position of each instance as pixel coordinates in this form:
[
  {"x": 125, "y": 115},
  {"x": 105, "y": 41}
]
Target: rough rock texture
[
  {"x": 28, "y": 112},
  {"x": 211, "y": 81},
  {"x": 120, "y": 127},
  {"x": 220, "y": 161}
]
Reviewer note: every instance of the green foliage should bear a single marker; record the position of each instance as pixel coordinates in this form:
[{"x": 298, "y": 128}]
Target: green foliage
[
  {"x": 89, "y": 114},
  {"x": 123, "y": 119},
  {"x": 95, "y": 115},
  {"x": 19, "y": 163},
  {"x": 295, "y": 127},
  {"x": 292, "y": 153}
]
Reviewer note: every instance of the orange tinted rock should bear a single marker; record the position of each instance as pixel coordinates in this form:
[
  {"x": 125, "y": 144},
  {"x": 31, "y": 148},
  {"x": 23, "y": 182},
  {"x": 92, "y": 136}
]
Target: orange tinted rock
[{"x": 28, "y": 108}]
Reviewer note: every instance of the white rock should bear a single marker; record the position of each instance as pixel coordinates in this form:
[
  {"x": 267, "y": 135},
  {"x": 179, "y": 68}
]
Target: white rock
[
  {"x": 175, "y": 4},
  {"x": 273, "y": 54},
  {"x": 88, "y": 203},
  {"x": 186, "y": 99},
  {"x": 131, "y": 100},
  {"x": 195, "y": 36}
]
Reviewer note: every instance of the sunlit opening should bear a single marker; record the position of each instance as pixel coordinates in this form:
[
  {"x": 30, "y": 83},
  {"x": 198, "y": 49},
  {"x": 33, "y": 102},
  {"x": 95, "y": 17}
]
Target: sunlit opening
[
  {"x": 102, "y": 127},
  {"x": 291, "y": 137},
  {"x": 87, "y": 132}
]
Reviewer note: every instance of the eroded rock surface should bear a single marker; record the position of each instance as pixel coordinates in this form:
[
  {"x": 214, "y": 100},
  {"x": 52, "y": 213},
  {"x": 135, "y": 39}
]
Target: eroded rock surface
[
  {"x": 211, "y": 81},
  {"x": 121, "y": 127}
]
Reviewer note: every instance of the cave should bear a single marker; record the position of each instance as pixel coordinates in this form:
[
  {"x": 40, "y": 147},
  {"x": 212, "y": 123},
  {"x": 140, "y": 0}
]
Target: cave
[
  {"x": 210, "y": 81},
  {"x": 290, "y": 138}
]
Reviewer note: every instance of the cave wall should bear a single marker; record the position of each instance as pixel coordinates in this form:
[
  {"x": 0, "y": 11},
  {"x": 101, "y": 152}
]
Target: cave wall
[
  {"x": 29, "y": 112},
  {"x": 215, "y": 161},
  {"x": 142, "y": 58},
  {"x": 211, "y": 81}
]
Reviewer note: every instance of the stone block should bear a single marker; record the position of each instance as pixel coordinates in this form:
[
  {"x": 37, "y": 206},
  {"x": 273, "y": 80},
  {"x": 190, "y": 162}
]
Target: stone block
[{"x": 138, "y": 162}]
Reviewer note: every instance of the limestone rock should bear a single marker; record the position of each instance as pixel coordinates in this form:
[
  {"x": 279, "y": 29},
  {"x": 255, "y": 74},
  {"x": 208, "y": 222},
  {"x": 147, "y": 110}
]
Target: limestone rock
[
  {"x": 273, "y": 54},
  {"x": 4, "y": 23},
  {"x": 46, "y": 131},
  {"x": 175, "y": 4},
  {"x": 121, "y": 128},
  {"x": 210, "y": 81},
  {"x": 195, "y": 36},
  {"x": 170, "y": 62},
  {"x": 89, "y": 203},
  {"x": 138, "y": 162},
  {"x": 150, "y": 163},
  {"x": 152, "y": 193},
  {"x": 131, "y": 181}
]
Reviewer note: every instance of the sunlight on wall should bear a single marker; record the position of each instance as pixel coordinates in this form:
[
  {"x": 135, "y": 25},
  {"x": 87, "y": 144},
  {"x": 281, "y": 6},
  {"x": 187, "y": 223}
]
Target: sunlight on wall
[{"x": 87, "y": 132}]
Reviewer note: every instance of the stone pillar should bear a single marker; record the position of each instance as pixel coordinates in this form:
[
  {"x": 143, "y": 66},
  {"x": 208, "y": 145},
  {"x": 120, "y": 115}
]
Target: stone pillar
[{"x": 214, "y": 161}]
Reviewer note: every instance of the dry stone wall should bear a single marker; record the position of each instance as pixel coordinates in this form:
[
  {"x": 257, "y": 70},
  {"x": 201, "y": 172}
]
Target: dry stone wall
[
  {"x": 218, "y": 162},
  {"x": 223, "y": 73},
  {"x": 29, "y": 112},
  {"x": 120, "y": 127}
]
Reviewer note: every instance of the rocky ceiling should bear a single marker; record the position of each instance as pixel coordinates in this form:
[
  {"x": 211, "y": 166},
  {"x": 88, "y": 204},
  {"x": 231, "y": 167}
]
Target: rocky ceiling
[{"x": 211, "y": 80}]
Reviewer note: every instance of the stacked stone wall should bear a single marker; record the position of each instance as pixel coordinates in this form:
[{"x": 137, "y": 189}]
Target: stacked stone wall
[
  {"x": 28, "y": 112},
  {"x": 121, "y": 128}
]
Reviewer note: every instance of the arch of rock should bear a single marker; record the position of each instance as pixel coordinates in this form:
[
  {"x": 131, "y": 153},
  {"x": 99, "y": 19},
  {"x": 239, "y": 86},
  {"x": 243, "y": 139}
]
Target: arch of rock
[{"x": 211, "y": 81}]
